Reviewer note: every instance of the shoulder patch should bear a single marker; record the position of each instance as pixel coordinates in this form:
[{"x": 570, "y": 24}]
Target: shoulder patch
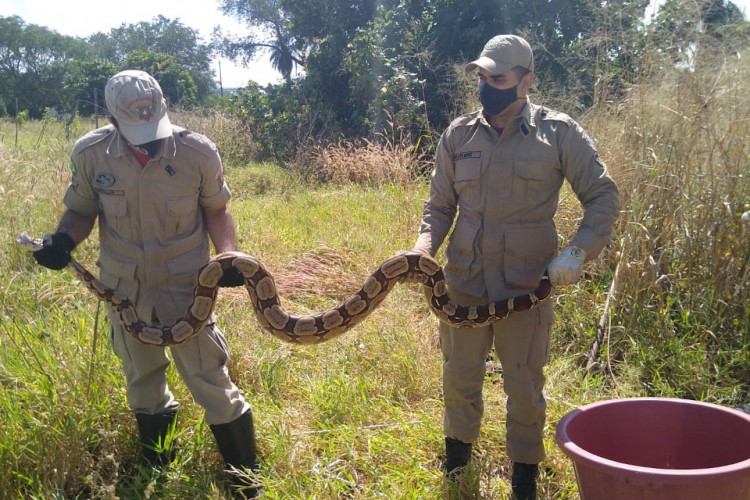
[{"x": 587, "y": 138}]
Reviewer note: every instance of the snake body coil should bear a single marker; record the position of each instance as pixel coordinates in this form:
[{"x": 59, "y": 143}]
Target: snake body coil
[{"x": 407, "y": 267}]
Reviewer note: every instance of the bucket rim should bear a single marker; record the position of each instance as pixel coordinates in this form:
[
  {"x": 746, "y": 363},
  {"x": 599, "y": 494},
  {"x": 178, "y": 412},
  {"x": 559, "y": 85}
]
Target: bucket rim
[{"x": 579, "y": 455}]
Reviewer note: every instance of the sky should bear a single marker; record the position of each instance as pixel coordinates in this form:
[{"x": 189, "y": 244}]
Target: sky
[
  {"x": 743, "y": 5},
  {"x": 85, "y": 17}
]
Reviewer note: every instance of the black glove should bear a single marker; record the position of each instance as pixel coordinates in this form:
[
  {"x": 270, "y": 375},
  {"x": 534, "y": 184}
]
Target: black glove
[
  {"x": 232, "y": 277},
  {"x": 55, "y": 252}
]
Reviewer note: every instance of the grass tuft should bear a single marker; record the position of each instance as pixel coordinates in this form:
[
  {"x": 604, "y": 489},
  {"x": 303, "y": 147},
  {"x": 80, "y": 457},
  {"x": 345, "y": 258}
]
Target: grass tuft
[{"x": 361, "y": 416}]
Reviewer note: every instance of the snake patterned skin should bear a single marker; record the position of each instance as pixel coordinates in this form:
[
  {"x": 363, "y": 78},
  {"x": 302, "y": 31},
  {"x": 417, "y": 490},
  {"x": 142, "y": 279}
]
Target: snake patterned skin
[{"x": 312, "y": 329}]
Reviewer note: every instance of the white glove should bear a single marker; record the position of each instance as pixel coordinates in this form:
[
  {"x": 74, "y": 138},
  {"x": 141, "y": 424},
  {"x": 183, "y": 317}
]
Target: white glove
[{"x": 567, "y": 268}]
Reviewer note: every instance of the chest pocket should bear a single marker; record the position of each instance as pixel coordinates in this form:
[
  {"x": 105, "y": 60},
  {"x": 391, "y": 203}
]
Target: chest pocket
[
  {"x": 535, "y": 180},
  {"x": 181, "y": 216},
  {"x": 115, "y": 211},
  {"x": 466, "y": 182}
]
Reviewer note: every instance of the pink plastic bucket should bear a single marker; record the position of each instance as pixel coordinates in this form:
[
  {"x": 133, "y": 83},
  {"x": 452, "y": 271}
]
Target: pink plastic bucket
[{"x": 658, "y": 448}]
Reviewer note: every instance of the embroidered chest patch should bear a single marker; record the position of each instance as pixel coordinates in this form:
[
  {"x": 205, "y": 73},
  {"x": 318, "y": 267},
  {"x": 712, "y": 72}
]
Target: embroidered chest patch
[{"x": 104, "y": 180}]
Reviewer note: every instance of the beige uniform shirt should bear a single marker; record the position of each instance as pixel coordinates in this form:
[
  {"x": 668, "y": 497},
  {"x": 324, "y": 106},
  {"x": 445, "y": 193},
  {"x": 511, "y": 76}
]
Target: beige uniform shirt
[
  {"x": 502, "y": 190},
  {"x": 152, "y": 233}
]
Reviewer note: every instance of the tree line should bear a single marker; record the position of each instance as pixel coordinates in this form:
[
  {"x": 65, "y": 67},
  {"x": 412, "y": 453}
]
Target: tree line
[
  {"x": 368, "y": 67},
  {"x": 41, "y": 69}
]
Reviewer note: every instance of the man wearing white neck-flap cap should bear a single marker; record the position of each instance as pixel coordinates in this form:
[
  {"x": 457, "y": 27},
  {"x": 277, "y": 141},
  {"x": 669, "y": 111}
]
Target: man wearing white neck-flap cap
[
  {"x": 159, "y": 195},
  {"x": 497, "y": 176}
]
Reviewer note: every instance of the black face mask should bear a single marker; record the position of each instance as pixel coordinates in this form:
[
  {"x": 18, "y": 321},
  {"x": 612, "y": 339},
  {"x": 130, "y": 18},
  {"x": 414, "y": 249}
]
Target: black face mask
[
  {"x": 150, "y": 148},
  {"x": 494, "y": 101}
]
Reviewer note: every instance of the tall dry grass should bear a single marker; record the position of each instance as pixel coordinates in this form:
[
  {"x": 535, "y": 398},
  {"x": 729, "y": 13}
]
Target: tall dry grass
[
  {"x": 360, "y": 417},
  {"x": 677, "y": 145},
  {"x": 233, "y": 138},
  {"x": 392, "y": 157}
]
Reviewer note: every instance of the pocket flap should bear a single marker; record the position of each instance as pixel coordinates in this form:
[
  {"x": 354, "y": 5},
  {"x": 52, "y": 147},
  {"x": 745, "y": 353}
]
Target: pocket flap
[
  {"x": 181, "y": 206},
  {"x": 116, "y": 266},
  {"x": 533, "y": 170},
  {"x": 464, "y": 233},
  {"x": 528, "y": 251},
  {"x": 187, "y": 264},
  {"x": 533, "y": 240},
  {"x": 114, "y": 205},
  {"x": 467, "y": 170}
]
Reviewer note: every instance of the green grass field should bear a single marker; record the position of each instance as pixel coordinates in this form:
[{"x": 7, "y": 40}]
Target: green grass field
[{"x": 360, "y": 417}]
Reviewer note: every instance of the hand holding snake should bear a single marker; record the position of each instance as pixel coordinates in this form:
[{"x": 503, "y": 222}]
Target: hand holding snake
[{"x": 411, "y": 267}]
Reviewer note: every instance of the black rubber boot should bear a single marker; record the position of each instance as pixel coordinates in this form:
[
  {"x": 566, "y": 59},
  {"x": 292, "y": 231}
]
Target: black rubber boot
[
  {"x": 523, "y": 481},
  {"x": 236, "y": 442},
  {"x": 153, "y": 431},
  {"x": 457, "y": 457}
]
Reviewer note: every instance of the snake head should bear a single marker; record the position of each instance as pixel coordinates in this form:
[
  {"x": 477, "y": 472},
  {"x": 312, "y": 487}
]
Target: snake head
[{"x": 33, "y": 244}]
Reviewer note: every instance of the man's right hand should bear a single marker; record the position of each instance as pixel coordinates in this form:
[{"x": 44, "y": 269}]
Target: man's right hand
[
  {"x": 567, "y": 268},
  {"x": 55, "y": 252},
  {"x": 232, "y": 277}
]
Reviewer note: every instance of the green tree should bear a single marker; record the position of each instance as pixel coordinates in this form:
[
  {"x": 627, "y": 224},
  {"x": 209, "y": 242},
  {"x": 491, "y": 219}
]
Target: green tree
[
  {"x": 86, "y": 80},
  {"x": 181, "y": 44},
  {"x": 371, "y": 63},
  {"x": 33, "y": 62},
  {"x": 267, "y": 16},
  {"x": 386, "y": 64},
  {"x": 41, "y": 69},
  {"x": 175, "y": 80},
  {"x": 317, "y": 34},
  {"x": 703, "y": 28}
]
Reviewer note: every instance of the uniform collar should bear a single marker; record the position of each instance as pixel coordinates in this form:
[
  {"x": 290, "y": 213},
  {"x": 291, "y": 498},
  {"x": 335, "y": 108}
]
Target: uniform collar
[
  {"x": 525, "y": 118},
  {"x": 118, "y": 146},
  {"x": 527, "y": 115}
]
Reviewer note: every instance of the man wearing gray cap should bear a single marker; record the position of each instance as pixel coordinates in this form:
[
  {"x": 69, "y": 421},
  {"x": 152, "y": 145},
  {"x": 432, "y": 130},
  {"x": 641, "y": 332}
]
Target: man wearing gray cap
[
  {"x": 159, "y": 194},
  {"x": 497, "y": 176}
]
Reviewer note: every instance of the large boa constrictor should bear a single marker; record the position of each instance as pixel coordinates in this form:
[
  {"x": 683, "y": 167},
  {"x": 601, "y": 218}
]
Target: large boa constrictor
[{"x": 405, "y": 267}]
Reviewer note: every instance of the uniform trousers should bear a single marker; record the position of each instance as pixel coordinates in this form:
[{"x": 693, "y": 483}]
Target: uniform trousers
[
  {"x": 522, "y": 343},
  {"x": 200, "y": 361}
]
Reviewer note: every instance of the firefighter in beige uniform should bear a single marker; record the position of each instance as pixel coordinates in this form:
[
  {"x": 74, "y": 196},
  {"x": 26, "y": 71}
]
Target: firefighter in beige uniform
[
  {"x": 159, "y": 195},
  {"x": 498, "y": 173}
]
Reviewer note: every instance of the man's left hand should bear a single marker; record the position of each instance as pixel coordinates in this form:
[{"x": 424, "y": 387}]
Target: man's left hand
[
  {"x": 232, "y": 277},
  {"x": 567, "y": 268}
]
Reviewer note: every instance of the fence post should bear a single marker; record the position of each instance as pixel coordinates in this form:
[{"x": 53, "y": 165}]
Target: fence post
[{"x": 16, "y": 143}]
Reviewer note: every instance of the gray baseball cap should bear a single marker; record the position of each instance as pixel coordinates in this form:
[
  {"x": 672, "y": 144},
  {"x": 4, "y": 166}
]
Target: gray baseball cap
[
  {"x": 136, "y": 101},
  {"x": 502, "y": 53}
]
